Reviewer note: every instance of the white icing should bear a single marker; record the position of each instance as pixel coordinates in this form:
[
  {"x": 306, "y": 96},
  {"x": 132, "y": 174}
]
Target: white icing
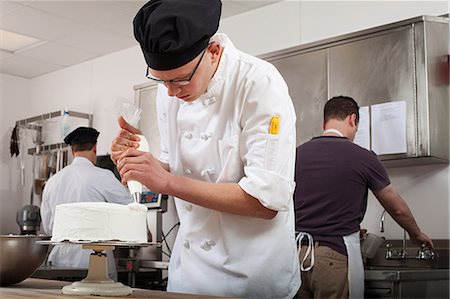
[
  {"x": 135, "y": 186},
  {"x": 100, "y": 221}
]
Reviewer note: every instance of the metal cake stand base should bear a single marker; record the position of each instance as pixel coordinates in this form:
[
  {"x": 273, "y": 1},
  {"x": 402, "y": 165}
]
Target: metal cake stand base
[{"x": 97, "y": 282}]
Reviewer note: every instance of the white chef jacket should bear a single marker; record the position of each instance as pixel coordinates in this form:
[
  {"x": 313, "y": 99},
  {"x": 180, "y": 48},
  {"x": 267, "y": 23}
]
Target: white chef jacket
[
  {"x": 81, "y": 181},
  {"x": 223, "y": 136}
]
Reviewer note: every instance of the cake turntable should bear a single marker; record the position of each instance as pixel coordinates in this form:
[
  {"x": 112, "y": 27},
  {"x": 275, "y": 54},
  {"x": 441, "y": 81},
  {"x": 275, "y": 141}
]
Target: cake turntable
[{"x": 97, "y": 281}]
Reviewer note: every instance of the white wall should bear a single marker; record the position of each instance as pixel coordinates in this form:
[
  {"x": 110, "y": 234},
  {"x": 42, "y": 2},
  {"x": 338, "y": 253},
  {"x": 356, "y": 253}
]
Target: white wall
[
  {"x": 92, "y": 86},
  {"x": 323, "y": 19},
  {"x": 14, "y": 98}
]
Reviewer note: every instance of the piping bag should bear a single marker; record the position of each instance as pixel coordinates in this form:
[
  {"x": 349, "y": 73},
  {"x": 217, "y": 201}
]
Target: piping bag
[{"x": 132, "y": 114}]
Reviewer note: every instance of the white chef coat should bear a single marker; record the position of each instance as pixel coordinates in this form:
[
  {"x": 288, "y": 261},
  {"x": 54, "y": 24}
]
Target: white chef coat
[
  {"x": 223, "y": 137},
  {"x": 81, "y": 181}
]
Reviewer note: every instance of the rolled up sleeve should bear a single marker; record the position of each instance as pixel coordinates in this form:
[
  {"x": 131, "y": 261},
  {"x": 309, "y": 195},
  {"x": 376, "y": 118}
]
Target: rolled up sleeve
[
  {"x": 271, "y": 189},
  {"x": 268, "y": 159}
]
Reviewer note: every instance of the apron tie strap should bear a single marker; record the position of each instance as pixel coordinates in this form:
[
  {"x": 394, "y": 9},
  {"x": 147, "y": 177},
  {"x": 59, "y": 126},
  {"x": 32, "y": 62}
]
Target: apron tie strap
[{"x": 309, "y": 250}]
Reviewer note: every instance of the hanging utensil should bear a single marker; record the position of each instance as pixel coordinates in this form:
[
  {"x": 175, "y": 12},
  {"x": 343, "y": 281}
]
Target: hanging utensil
[
  {"x": 58, "y": 160},
  {"x": 23, "y": 134},
  {"x": 14, "y": 144}
]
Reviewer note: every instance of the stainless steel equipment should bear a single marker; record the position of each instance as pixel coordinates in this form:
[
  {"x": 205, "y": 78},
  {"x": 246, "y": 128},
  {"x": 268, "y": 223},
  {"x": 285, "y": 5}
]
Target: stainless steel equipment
[
  {"x": 413, "y": 276},
  {"x": 423, "y": 253},
  {"x": 406, "y": 283},
  {"x": 29, "y": 219},
  {"x": 404, "y": 61},
  {"x": 20, "y": 257}
]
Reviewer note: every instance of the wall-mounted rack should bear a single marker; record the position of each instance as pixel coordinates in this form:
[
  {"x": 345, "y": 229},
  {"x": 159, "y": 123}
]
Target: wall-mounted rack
[
  {"x": 55, "y": 114},
  {"x": 61, "y": 145},
  {"x": 45, "y": 148}
]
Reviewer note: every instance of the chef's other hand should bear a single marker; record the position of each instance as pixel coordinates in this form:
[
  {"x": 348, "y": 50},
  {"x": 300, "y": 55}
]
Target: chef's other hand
[
  {"x": 362, "y": 232},
  {"x": 420, "y": 239},
  {"x": 144, "y": 168},
  {"x": 125, "y": 139}
]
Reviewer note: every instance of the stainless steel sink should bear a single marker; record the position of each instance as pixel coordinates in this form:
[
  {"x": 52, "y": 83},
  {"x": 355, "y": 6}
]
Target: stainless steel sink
[
  {"x": 408, "y": 278},
  {"x": 405, "y": 274}
]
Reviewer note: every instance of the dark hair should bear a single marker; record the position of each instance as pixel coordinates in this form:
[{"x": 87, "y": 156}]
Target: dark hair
[
  {"x": 80, "y": 147},
  {"x": 340, "y": 107}
]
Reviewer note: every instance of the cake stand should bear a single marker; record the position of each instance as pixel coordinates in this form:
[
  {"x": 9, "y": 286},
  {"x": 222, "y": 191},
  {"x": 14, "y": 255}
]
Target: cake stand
[{"x": 97, "y": 281}]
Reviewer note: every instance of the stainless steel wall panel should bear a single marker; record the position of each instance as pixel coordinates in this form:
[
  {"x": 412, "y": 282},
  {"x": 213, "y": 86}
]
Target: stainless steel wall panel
[
  {"x": 438, "y": 93},
  {"x": 306, "y": 76},
  {"x": 376, "y": 70}
]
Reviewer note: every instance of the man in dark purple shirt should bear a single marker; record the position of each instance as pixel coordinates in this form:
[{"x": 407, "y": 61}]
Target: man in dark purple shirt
[{"x": 333, "y": 176}]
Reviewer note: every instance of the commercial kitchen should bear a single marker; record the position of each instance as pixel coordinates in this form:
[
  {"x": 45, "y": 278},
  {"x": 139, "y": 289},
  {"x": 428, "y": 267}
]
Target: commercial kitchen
[{"x": 395, "y": 56}]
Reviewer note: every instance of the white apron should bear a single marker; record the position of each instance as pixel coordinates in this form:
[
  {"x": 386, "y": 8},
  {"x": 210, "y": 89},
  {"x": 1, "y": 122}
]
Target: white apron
[{"x": 355, "y": 265}]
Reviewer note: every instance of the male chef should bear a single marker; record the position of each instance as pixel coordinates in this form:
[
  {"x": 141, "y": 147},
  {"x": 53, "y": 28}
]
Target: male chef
[
  {"x": 81, "y": 181},
  {"x": 333, "y": 178},
  {"x": 227, "y": 127}
]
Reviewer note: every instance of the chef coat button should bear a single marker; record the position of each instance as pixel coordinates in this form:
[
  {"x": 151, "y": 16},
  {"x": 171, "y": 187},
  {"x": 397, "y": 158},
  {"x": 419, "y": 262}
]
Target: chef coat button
[
  {"x": 206, "y": 136},
  {"x": 205, "y": 246},
  {"x": 187, "y": 171},
  {"x": 186, "y": 244},
  {"x": 209, "y": 101},
  {"x": 188, "y": 208},
  {"x": 210, "y": 171},
  {"x": 188, "y": 135}
]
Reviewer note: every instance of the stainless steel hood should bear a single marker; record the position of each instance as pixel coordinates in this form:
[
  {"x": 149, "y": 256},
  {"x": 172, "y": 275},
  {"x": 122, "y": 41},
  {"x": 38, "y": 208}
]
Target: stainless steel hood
[{"x": 403, "y": 61}]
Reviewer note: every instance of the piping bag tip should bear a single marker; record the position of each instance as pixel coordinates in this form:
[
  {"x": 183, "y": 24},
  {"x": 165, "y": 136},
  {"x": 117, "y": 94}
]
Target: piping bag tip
[{"x": 137, "y": 197}]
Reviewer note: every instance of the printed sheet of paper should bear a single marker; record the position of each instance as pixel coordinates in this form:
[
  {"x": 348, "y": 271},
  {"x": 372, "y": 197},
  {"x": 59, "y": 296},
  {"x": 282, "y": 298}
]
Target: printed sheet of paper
[
  {"x": 388, "y": 122},
  {"x": 362, "y": 137}
]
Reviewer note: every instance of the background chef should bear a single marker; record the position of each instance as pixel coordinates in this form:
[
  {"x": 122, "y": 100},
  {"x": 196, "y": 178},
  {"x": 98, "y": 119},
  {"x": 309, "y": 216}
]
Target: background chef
[
  {"x": 227, "y": 127},
  {"x": 333, "y": 177},
  {"x": 81, "y": 181}
]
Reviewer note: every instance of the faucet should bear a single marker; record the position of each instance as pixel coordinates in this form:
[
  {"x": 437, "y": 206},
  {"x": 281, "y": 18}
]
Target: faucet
[
  {"x": 382, "y": 221},
  {"x": 425, "y": 253},
  {"x": 391, "y": 253}
]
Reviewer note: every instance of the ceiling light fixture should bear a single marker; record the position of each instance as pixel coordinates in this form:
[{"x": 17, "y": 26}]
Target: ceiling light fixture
[{"x": 12, "y": 42}]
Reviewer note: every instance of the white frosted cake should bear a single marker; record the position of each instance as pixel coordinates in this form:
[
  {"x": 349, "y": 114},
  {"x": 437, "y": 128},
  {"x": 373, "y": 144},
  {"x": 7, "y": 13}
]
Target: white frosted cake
[{"x": 100, "y": 221}]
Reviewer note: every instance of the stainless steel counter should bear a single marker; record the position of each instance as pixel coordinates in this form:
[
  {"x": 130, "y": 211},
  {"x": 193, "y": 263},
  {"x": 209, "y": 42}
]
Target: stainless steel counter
[
  {"x": 385, "y": 274},
  {"x": 409, "y": 277}
]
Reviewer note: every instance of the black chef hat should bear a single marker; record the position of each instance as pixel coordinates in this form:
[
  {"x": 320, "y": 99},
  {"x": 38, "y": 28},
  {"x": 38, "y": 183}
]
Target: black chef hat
[
  {"x": 173, "y": 32},
  {"x": 82, "y": 135}
]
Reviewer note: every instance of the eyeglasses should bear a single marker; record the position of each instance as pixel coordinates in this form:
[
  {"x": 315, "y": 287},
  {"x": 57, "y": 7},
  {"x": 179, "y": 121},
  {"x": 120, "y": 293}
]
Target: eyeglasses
[{"x": 178, "y": 81}]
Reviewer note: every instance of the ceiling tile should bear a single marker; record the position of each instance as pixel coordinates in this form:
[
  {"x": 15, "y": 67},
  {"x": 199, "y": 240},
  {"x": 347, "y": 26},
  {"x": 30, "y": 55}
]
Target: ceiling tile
[
  {"x": 90, "y": 12},
  {"x": 231, "y": 8},
  {"x": 7, "y": 6},
  {"x": 32, "y": 22},
  {"x": 58, "y": 54},
  {"x": 24, "y": 2},
  {"x": 25, "y": 67},
  {"x": 5, "y": 54},
  {"x": 122, "y": 25},
  {"x": 255, "y": 3},
  {"x": 98, "y": 41}
]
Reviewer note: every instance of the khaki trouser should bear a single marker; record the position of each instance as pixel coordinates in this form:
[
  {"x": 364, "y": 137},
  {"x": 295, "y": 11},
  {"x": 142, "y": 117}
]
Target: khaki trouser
[{"x": 327, "y": 278}]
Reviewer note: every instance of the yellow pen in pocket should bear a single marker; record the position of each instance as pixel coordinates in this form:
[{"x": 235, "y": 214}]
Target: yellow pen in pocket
[{"x": 274, "y": 125}]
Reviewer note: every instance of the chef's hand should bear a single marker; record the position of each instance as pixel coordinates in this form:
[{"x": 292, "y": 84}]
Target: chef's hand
[
  {"x": 125, "y": 139},
  {"x": 420, "y": 239},
  {"x": 144, "y": 168},
  {"x": 362, "y": 232}
]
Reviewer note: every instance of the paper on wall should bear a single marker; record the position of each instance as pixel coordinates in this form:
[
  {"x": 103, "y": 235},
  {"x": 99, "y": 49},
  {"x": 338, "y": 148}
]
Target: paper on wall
[
  {"x": 362, "y": 137},
  {"x": 388, "y": 124}
]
